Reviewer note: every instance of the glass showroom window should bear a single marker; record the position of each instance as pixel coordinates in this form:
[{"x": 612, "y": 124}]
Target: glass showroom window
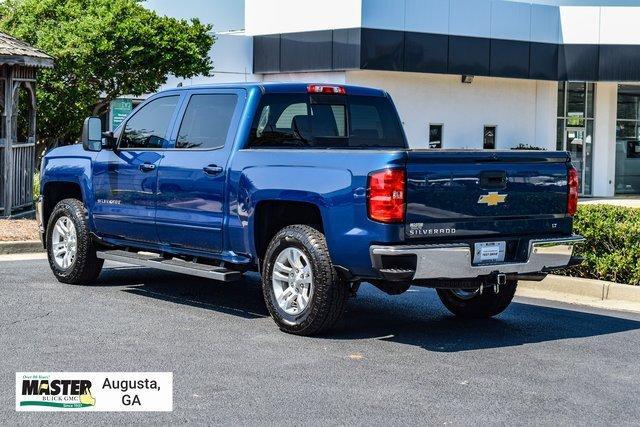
[
  {"x": 489, "y": 138},
  {"x": 435, "y": 136},
  {"x": 628, "y": 140},
  {"x": 575, "y": 127}
]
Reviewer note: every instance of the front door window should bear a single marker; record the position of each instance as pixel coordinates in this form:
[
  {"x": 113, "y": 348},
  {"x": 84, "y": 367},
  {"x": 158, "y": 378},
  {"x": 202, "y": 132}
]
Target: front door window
[{"x": 146, "y": 129}]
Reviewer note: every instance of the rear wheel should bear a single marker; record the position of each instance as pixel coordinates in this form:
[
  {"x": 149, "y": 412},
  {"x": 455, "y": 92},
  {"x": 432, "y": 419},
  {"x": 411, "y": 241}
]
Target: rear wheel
[
  {"x": 70, "y": 249},
  {"x": 471, "y": 303},
  {"x": 301, "y": 289}
]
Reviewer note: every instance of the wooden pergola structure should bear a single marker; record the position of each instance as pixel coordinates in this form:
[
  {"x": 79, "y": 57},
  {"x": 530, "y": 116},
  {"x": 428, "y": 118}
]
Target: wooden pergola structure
[{"x": 19, "y": 63}]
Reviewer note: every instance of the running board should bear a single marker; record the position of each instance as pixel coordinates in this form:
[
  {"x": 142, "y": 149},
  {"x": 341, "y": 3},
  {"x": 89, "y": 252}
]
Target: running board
[{"x": 174, "y": 265}]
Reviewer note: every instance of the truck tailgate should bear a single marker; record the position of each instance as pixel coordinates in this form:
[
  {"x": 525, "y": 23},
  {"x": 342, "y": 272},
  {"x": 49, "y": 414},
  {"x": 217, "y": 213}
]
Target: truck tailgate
[{"x": 481, "y": 193}]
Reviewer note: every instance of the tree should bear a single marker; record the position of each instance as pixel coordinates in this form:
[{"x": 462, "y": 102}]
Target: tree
[{"x": 103, "y": 49}]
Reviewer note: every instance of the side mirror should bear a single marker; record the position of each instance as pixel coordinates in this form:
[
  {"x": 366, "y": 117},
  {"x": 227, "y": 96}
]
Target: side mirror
[
  {"x": 109, "y": 140},
  {"x": 92, "y": 134}
]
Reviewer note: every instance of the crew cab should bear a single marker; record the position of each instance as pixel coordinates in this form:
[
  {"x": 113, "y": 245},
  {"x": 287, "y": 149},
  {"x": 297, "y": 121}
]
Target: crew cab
[{"x": 315, "y": 187}]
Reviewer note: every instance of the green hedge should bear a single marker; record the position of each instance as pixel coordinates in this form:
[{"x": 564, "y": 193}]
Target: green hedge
[{"x": 612, "y": 249}]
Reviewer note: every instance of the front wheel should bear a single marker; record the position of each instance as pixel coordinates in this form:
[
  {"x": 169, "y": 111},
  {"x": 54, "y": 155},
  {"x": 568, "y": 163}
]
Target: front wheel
[
  {"x": 70, "y": 249},
  {"x": 301, "y": 289},
  {"x": 474, "y": 304}
]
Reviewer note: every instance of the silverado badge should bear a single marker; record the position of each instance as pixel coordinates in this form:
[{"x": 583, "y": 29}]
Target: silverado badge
[{"x": 492, "y": 199}]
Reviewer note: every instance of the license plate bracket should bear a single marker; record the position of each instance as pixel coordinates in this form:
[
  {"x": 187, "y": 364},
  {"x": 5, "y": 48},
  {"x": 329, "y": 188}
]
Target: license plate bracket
[{"x": 489, "y": 252}]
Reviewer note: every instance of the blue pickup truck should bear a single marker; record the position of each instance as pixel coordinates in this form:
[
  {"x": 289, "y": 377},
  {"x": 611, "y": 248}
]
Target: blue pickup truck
[{"x": 314, "y": 187}]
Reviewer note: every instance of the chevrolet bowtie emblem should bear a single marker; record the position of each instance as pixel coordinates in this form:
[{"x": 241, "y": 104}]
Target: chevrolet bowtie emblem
[{"x": 492, "y": 199}]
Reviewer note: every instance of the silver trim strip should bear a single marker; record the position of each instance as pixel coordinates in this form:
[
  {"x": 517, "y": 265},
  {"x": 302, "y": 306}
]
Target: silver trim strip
[{"x": 454, "y": 261}]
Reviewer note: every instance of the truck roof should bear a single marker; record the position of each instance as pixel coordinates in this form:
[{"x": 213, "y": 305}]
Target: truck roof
[{"x": 278, "y": 87}]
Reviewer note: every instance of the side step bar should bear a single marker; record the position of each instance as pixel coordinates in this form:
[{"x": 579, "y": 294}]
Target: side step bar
[{"x": 175, "y": 265}]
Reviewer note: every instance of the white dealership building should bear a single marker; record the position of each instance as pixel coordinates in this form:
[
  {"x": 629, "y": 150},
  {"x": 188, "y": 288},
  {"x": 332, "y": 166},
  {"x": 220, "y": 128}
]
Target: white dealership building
[{"x": 475, "y": 74}]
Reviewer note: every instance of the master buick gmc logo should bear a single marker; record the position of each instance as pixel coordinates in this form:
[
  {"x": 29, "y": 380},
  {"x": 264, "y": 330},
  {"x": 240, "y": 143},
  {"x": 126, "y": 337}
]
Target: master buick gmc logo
[
  {"x": 418, "y": 229},
  {"x": 57, "y": 393}
]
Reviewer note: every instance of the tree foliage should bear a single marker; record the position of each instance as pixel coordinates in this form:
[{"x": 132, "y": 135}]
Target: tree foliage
[{"x": 103, "y": 49}]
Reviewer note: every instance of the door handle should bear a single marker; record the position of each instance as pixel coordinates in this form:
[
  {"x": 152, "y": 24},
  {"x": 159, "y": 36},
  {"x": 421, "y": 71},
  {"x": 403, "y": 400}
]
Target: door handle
[
  {"x": 147, "y": 167},
  {"x": 212, "y": 170}
]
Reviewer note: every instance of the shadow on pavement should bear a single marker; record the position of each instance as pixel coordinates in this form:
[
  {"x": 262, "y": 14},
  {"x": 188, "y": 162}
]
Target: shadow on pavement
[
  {"x": 242, "y": 298},
  {"x": 415, "y": 318},
  {"x": 420, "y": 320}
]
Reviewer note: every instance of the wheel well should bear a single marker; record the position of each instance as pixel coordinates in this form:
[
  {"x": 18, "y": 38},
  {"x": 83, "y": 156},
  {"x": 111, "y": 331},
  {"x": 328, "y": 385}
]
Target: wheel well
[
  {"x": 54, "y": 192},
  {"x": 272, "y": 216}
]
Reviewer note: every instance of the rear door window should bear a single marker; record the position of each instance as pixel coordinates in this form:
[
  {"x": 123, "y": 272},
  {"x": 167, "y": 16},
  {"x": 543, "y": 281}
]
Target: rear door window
[
  {"x": 326, "y": 121},
  {"x": 206, "y": 121}
]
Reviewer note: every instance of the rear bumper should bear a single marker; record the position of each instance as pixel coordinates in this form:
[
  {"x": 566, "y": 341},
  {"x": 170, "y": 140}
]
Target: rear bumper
[{"x": 454, "y": 261}]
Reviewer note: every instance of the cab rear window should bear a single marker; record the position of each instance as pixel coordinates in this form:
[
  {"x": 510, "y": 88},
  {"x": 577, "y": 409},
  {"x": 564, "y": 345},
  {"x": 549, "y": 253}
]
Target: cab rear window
[{"x": 326, "y": 121}]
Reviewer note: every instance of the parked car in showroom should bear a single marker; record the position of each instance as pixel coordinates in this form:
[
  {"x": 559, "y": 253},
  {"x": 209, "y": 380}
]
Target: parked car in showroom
[{"x": 315, "y": 187}]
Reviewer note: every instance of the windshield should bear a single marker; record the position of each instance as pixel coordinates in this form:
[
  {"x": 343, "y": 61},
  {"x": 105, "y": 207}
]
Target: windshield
[{"x": 326, "y": 121}]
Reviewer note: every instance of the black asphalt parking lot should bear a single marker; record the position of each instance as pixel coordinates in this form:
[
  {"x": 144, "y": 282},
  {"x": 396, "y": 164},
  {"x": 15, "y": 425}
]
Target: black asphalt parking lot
[{"x": 391, "y": 360}]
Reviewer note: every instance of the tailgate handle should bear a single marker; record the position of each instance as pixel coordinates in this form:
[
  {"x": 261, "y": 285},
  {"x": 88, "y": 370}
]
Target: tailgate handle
[{"x": 491, "y": 180}]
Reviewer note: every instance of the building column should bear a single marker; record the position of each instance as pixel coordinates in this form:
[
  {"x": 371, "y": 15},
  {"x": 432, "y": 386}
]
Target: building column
[
  {"x": 604, "y": 149},
  {"x": 546, "y": 115}
]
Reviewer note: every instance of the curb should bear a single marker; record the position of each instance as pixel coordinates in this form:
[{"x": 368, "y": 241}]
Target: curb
[
  {"x": 590, "y": 288},
  {"x": 21, "y": 247}
]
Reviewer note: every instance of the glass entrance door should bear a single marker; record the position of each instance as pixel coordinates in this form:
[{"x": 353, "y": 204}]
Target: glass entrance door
[
  {"x": 575, "y": 138},
  {"x": 575, "y": 127}
]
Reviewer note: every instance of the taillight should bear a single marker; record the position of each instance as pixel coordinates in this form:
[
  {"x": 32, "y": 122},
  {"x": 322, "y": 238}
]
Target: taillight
[
  {"x": 326, "y": 89},
  {"x": 386, "y": 195},
  {"x": 572, "y": 199}
]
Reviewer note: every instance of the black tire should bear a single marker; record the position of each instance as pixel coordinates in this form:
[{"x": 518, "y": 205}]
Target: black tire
[
  {"x": 487, "y": 304},
  {"x": 85, "y": 267},
  {"x": 330, "y": 294}
]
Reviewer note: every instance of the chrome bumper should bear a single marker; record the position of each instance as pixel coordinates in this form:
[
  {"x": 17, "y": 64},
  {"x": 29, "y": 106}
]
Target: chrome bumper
[
  {"x": 39, "y": 211},
  {"x": 454, "y": 261}
]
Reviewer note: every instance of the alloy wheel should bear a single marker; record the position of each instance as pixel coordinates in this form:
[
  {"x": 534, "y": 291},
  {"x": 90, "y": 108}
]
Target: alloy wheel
[
  {"x": 64, "y": 242},
  {"x": 292, "y": 281}
]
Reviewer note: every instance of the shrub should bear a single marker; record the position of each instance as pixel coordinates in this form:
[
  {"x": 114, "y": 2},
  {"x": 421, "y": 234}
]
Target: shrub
[
  {"x": 522, "y": 146},
  {"x": 612, "y": 248}
]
